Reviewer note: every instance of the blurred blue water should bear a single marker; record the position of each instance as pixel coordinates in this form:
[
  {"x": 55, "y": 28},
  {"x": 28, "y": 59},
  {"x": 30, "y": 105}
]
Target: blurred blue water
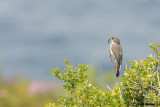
[{"x": 37, "y": 36}]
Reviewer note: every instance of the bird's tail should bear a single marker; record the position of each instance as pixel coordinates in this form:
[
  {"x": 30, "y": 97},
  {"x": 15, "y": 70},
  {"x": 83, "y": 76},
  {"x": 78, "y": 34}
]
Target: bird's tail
[{"x": 118, "y": 69}]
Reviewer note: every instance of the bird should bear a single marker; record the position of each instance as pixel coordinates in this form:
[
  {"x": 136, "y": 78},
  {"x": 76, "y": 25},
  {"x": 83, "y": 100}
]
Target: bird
[{"x": 116, "y": 53}]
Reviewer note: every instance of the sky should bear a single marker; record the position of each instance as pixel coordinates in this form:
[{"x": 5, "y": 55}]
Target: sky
[{"x": 38, "y": 35}]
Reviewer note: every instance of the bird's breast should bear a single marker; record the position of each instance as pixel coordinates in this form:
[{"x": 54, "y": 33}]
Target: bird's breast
[{"x": 111, "y": 52}]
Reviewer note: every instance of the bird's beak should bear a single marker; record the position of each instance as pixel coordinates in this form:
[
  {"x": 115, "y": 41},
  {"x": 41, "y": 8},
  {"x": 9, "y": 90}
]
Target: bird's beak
[{"x": 109, "y": 39}]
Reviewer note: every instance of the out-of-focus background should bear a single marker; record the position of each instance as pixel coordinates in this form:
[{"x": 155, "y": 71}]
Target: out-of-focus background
[{"x": 38, "y": 35}]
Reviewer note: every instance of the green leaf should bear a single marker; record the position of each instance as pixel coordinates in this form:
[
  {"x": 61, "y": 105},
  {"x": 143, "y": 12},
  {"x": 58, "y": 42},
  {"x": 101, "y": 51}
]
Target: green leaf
[
  {"x": 81, "y": 67},
  {"x": 52, "y": 72},
  {"x": 58, "y": 71},
  {"x": 158, "y": 53},
  {"x": 150, "y": 95},
  {"x": 81, "y": 81},
  {"x": 67, "y": 62},
  {"x": 84, "y": 76},
  {"x": 158, "y": 44},
  {"x": 86, "y": 67},
  {"x": 152, "y": 46},
  {"x": 130, "y": 61}
]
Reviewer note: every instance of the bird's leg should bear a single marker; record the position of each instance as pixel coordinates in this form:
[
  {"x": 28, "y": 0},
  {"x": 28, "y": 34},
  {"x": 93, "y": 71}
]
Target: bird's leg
[{"x": 110, "y": 54}]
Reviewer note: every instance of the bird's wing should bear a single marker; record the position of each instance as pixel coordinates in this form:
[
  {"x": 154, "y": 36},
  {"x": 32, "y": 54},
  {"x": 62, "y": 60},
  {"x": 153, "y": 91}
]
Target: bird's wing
[{"x": 117, "y": 52}]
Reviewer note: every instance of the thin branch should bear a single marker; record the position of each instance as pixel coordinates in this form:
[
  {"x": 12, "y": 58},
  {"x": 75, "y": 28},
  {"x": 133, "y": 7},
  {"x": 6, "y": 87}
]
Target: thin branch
[
  {"x": 159, "y": 85},
  {"x": 135, "y": 103},
  {"x": 143, "y": 89},
  {"x": 149, "y": 52},
  {"x": 134, "y": 82},
  {"x": 76, "y": 97},
  {"x": 140, "y": 84},
  {"x": 132, "y": 88},
  {"x": 155, "y": 67},
  {"x": 109, "y": 88},
  {"x": 158, "y": 59},
  {"x": 158, "y": 79},
  {"x": 125, "y": 66},
  {"x": 154, "y": 87}
]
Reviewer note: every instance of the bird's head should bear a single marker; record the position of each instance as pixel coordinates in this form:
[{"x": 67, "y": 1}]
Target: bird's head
[{"x": 114, "y": 39}]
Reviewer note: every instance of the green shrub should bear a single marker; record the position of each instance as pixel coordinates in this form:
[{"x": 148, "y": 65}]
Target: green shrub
[{"x": 140, "y": 85}]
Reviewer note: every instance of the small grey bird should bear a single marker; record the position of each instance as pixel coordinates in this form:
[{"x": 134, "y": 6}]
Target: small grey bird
[{"x": 116, "y": 53}]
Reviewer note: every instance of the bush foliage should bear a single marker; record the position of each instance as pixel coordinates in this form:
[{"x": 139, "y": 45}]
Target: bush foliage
[{"x": 139, "y": 85}]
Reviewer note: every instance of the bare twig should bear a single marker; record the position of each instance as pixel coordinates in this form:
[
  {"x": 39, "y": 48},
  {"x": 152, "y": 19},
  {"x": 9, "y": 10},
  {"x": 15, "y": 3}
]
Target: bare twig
[
  {"x": 134, "y": 82},
  {"x": 154, "y": 87},
  {"x": 109, "y": 88},
  {"x": 125, "y": 66}
]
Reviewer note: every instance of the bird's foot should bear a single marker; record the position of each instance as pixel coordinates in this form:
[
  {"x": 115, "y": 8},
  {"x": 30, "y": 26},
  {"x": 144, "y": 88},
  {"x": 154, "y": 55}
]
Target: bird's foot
[
  {"x": 114, "y": 67},
  {"x": 110, "y": 55}
]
